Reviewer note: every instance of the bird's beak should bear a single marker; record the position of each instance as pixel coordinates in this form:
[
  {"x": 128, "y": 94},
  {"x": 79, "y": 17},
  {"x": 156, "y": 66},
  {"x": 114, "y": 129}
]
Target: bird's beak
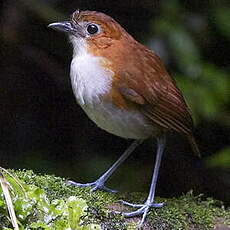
[
  {"x": 65, "y": 26},
  {"x": 68, "y": 27}
]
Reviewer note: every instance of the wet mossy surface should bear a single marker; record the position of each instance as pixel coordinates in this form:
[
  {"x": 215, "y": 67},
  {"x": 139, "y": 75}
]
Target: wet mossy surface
[{"x": 185, "y": 212}]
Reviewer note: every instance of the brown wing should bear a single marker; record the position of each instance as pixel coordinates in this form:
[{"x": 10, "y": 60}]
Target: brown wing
[{"x": 156, "y": 93}]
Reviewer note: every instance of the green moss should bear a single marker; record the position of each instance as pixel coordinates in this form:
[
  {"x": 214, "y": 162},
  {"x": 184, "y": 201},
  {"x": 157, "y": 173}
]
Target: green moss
[
  {"x": 56, "y": 187},
  {"x": 48, "y": 202},
  {"x": 189, "y": 212},
  {"x": 186, "y": 212}
]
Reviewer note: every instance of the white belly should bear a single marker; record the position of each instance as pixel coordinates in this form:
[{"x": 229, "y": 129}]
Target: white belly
[{"x": 126, "y": 124}]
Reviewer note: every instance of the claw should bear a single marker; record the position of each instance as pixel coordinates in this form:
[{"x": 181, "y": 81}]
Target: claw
[
  {"x": 79, "y": 184},
  {"x": 138, "y": 212},
  {"x": 97, "y": 185}
]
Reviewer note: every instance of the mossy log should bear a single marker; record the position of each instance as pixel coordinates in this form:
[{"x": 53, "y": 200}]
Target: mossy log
[{"x": 53, "y": 203}]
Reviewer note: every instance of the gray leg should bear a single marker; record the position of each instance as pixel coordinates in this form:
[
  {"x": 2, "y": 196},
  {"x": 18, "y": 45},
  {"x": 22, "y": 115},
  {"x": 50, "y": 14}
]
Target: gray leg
[
  {"x": 144, "y": 208},
  {"x": 99, "y": 183}
]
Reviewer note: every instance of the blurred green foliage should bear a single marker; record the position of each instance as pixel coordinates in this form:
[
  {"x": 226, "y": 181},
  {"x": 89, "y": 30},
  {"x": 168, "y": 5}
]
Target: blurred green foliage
[
  {"x": 221, "y": 159},
  {"x": 222, "y": 20},
  {"x": 205, "y": 85}
]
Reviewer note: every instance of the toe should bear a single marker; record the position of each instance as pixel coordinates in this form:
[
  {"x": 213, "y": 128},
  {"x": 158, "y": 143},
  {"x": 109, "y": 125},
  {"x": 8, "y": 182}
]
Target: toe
[
  {"x": 79, "y": 184},
  {"x": 97, "y": 185},
  {"x": 109, "y": 190},
  {"x": 103, "y": 188},
  {"x": 138, "y": 212},
  {"x": 157, "y": 205},
  {"x": 130, "y": 204}
]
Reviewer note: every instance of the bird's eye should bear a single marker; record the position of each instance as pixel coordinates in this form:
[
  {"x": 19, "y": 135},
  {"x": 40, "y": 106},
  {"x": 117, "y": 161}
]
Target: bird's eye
[{"x": 92, "y": 29}]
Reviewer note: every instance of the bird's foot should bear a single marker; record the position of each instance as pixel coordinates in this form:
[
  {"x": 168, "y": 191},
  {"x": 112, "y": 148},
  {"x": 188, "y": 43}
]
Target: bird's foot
[
  {"x": 96, "y": 185},
  {"x": 142, "y": 210}
]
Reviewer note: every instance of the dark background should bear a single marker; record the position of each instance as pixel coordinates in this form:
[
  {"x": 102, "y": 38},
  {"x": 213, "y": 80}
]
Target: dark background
[{"x": 42, "y": 127}]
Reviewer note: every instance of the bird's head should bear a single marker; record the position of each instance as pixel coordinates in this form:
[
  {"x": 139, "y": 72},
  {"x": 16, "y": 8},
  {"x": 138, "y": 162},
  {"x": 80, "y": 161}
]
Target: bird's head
[{"x": 93, "y": 29}]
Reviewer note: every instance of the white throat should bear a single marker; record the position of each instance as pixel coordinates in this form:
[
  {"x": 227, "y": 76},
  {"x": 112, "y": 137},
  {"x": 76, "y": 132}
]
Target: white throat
[{"x": 90, "y": 80}]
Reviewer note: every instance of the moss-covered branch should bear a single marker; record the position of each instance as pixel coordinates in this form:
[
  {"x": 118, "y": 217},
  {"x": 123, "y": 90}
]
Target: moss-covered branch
[{"x": 48, "y": 202}]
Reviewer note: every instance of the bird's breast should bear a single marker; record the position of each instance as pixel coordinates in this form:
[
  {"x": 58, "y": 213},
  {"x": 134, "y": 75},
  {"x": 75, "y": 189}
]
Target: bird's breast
[
  {"x": 89, "y": 79},
  {"x": 91, "y": 82}
]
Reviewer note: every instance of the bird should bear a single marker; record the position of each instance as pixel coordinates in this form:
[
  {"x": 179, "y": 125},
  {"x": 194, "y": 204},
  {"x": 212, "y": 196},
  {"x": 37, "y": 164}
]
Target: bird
[{"x": 125, "y": 89}]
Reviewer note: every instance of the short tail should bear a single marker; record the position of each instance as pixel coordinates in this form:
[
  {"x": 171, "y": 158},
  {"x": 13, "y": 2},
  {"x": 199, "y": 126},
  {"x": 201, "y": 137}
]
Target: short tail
[{"x": 194, "y": 145}]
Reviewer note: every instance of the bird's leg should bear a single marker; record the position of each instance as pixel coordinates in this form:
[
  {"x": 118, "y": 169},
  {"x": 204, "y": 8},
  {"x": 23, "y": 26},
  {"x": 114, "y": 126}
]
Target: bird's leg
[
  {"x": 99, "y": 183},
  {"x": 149, "y": 203}
]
